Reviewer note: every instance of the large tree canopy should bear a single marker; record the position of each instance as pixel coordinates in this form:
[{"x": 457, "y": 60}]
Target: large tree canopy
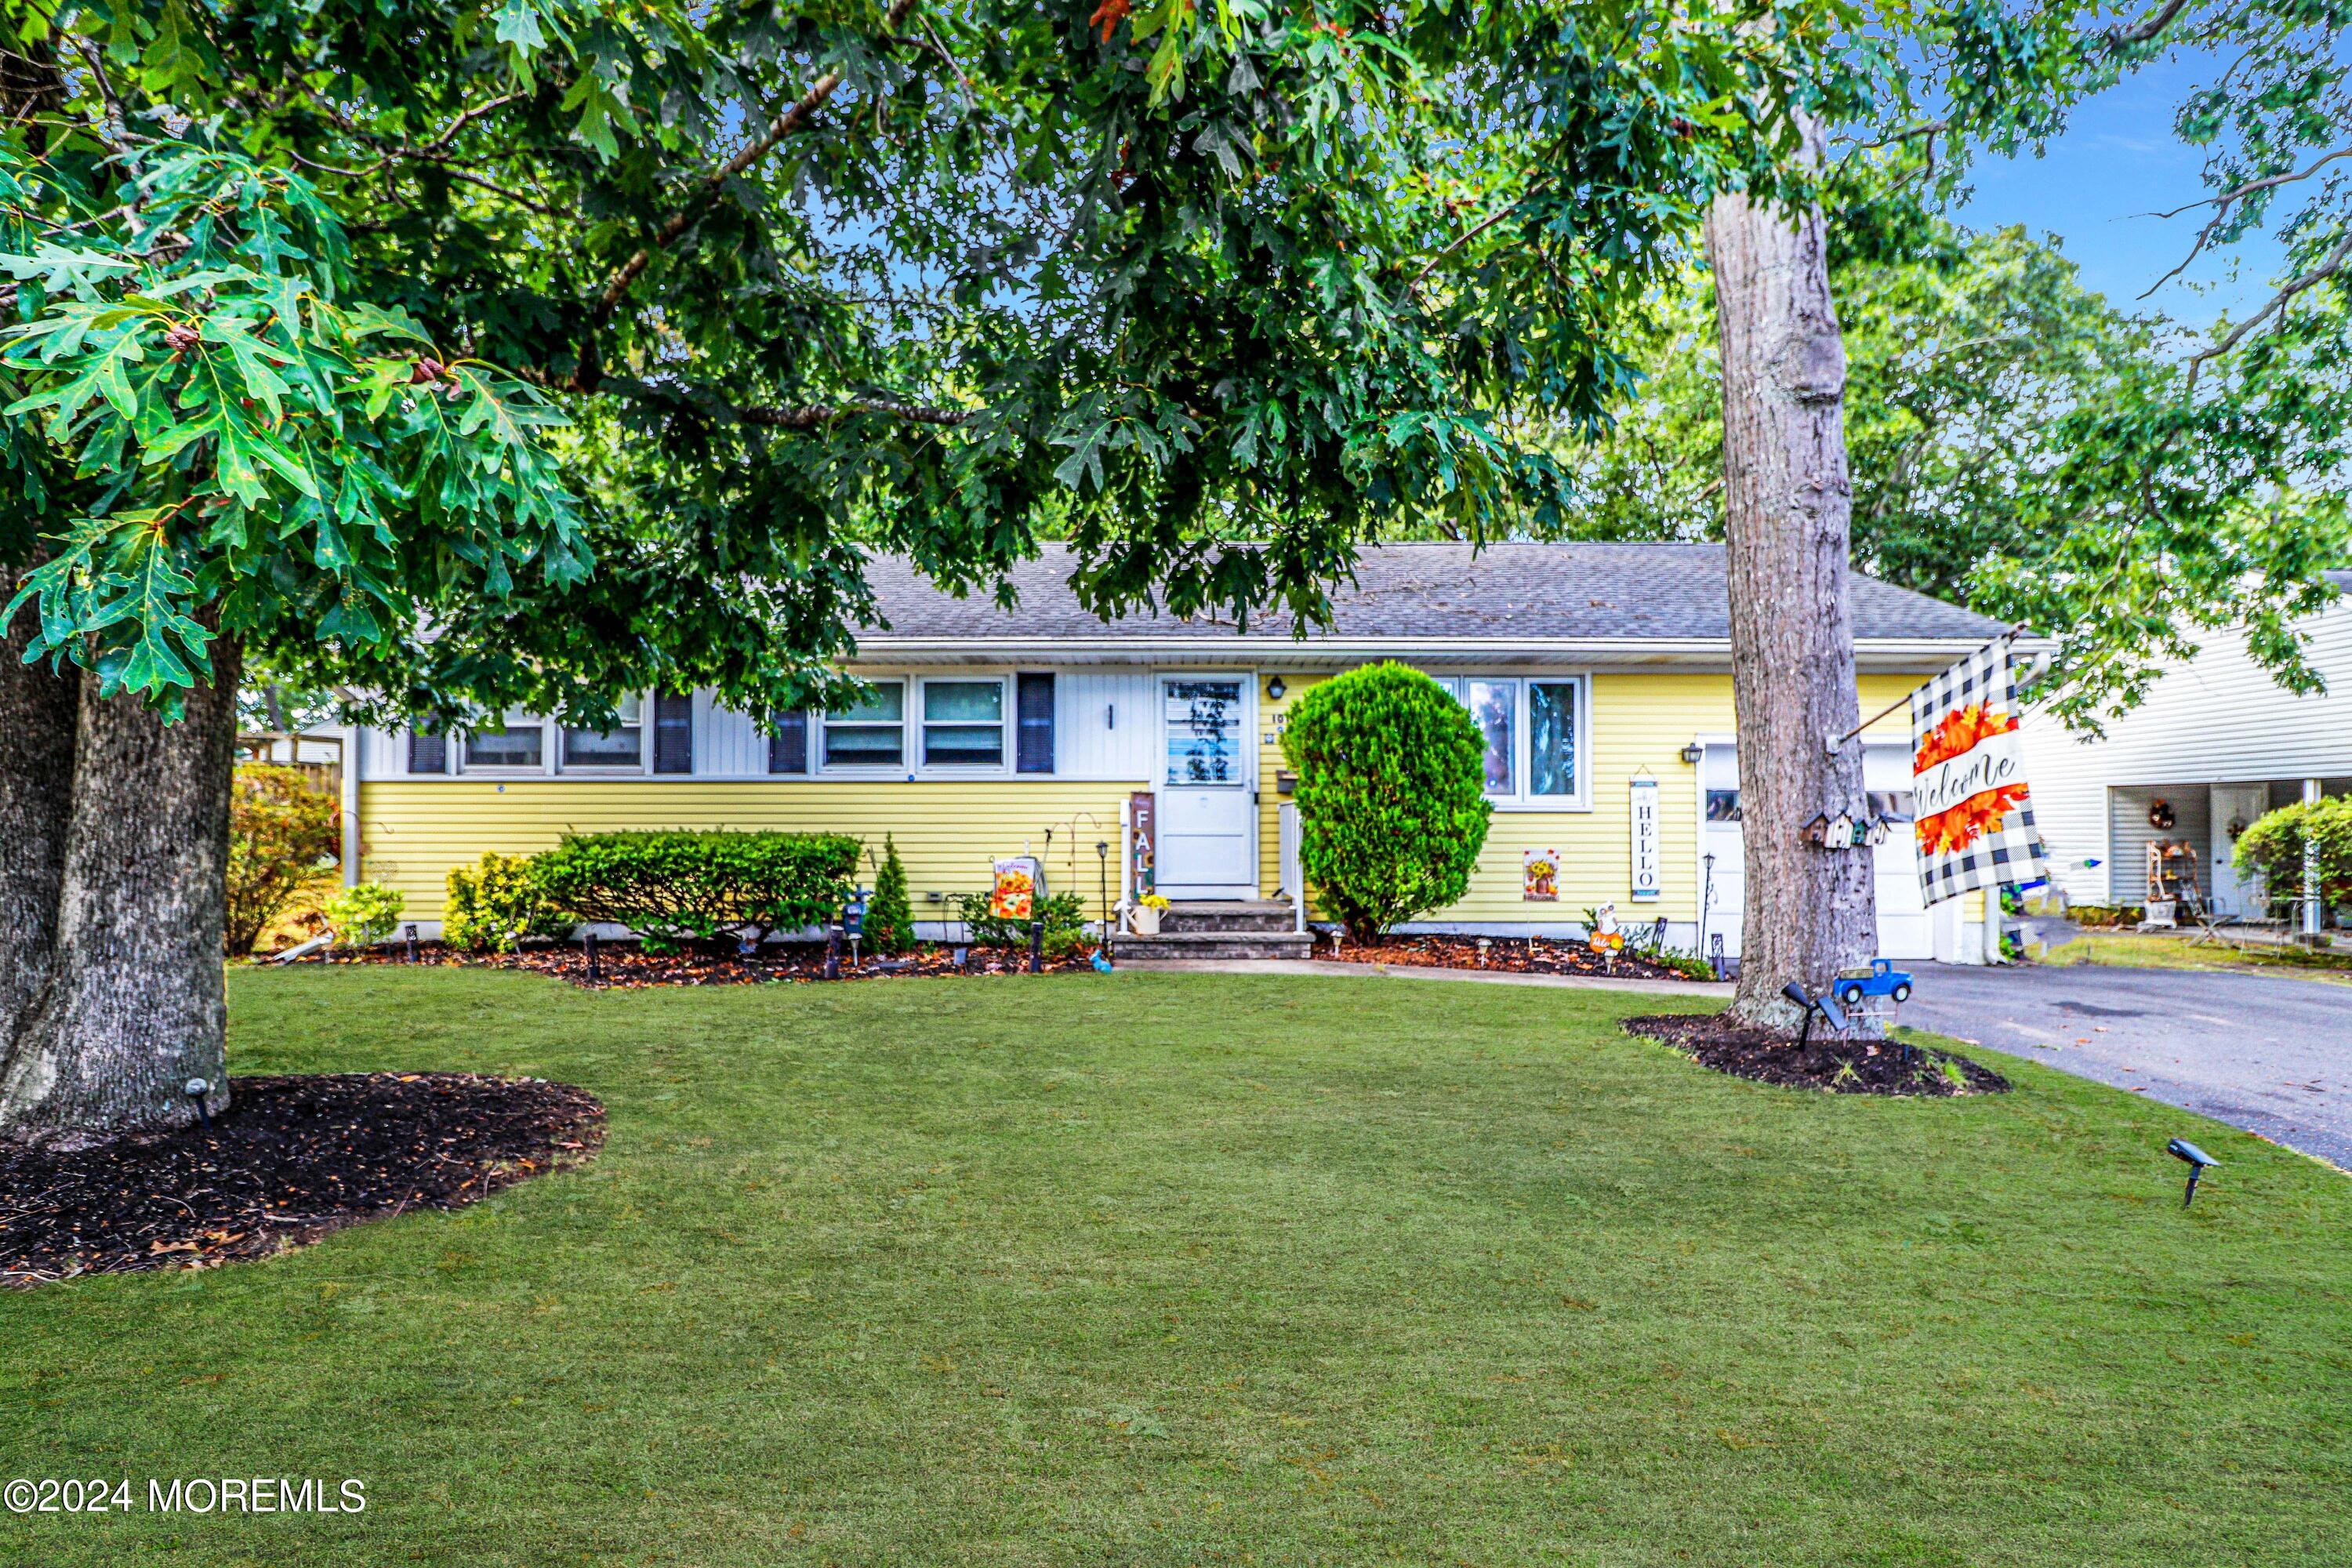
[{"x": 521, "y": 351}]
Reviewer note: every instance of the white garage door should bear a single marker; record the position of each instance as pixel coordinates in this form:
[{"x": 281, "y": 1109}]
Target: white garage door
[{"x": 1904, "y": 929}]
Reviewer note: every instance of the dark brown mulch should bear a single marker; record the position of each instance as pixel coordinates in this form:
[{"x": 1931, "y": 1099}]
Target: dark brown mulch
[
  {"x": 291, "y": 1160},
  {"x": 1841, "y": 1065},
  {"x": 626, "y": 966},
  {"x": 1517, "y": 954}
]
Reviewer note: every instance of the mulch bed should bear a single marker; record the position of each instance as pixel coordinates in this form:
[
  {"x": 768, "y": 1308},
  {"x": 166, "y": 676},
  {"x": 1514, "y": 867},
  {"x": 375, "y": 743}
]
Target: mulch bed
[
  {"x": 1841, "y": 1065},
  {"x": 1517, "y": 954},
  {"x": 291, "y": 1160},
  {"x": 624, "y": 965}
]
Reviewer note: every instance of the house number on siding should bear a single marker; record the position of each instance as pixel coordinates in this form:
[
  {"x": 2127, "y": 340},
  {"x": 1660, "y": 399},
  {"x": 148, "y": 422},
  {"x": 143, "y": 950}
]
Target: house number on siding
[{"x": 1646, "y": 837}]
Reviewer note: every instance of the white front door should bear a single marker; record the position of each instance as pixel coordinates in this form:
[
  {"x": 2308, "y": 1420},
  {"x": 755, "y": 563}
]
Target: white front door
[
  {"x": 2235, "y": 807},
  {"x": 1207, "y": 804}
]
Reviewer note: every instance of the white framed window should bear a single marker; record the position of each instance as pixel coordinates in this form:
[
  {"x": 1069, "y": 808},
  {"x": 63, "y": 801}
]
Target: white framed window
[
  {"x": 519, "y": 744},
  {"x": 873, "y": 735},
  {"x": 1534, "y": 728},
  {"x": 964, "y": 722},
  {"x": 621, "y": 749}
]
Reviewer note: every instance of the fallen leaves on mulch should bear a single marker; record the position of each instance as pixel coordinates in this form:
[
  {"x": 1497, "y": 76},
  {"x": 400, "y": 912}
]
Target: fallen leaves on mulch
[
  {"x": 1512, "y": 954},
  {"x": 626, "y": 966},
  {"x": 1841, "y": 1065},
  {"x": 292, "y": 1159}
]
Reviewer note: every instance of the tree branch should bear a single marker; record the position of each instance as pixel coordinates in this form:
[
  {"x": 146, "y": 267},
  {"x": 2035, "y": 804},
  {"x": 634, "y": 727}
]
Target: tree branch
[
  {"x": 2329, "y": 265},
  {"x": 809, "y": 417},
  {"x": 2123, "y": 38},
  {"x": 794, "y": 119},
  {"x": 2223, "y": 204}
]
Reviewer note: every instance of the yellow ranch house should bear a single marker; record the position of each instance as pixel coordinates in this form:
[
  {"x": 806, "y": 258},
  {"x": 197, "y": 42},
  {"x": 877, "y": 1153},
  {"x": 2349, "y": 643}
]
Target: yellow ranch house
[{"x": 1145, "y": 753}]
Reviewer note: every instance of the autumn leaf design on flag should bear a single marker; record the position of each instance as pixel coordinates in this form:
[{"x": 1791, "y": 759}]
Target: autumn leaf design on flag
[{"x": 1955, "y": 735}]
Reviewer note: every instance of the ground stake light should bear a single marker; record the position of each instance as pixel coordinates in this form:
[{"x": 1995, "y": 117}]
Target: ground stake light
[
  {"x": 2196, "y": 1159},
  {"x": 198, "y": 1088}
]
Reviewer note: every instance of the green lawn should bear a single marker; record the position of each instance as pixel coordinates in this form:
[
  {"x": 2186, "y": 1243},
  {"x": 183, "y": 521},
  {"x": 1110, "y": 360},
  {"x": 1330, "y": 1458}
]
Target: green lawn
[
  {"x": 1193, "y": 1269},
  {"x": 2145, "y": 949}
]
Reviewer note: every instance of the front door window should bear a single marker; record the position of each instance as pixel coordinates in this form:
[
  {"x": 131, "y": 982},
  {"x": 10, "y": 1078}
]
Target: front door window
[{"x": 1205, "y": 732}]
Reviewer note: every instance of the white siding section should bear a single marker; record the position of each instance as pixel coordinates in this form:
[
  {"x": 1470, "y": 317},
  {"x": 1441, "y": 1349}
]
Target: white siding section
[
  {"x": 384, "y": 754},
  {"x": 2218, "y": 718},
  {"x": 1104, "y": 727},
  {"x": 727, "y": 743}
]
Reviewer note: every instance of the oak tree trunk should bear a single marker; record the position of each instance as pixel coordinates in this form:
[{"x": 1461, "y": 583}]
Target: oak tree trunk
[
  {"x": 1787, "y": 514},
  {"x": 37, "y": 713},
  {"x": 134, "y": 1008}
]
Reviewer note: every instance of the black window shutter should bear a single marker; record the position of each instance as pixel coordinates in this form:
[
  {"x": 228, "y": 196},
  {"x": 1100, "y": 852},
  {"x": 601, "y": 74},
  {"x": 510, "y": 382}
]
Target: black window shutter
[
  {"x": 1034, "y": 708},
  {"x": 788, "y": 744},
  {"x": 427, "y": 752},
  {"x": 673, "y": 734}
]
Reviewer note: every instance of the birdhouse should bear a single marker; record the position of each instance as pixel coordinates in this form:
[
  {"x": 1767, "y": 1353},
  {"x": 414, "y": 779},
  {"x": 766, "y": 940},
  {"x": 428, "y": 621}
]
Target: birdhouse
[
  {"x": 1840, "y": 833},
  {"x": 1875, "y": 834}
]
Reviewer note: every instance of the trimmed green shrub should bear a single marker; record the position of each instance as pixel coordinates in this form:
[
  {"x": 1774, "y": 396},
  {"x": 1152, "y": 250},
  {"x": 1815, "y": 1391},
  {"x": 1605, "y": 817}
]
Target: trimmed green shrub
[
  {"x": 1064, "y": 915},
  {"x": 363, "y": 913},
  {"x": 2274, "y": 848},
  {"x": 495, "y": 904},
  {"x": 1391, "y": 795},
  {"x": 890, "y": 913},
  {"x": 281, "y": 834},
  {"x": 673, "y": 887}
]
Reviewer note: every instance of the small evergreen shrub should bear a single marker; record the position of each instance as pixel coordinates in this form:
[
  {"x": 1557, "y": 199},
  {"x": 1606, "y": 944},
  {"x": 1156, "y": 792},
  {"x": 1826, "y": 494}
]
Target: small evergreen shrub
[
  {"x": 890, "y": 913},
  {"x": 1064, "y": 915},
  {"x": 677, "y": 887},
  {"x": 281, "y": 834},
  {"x": 363, "y": 913},
  {"x": 1391, "y": 795},
  {"x": 495, "y": 904}
]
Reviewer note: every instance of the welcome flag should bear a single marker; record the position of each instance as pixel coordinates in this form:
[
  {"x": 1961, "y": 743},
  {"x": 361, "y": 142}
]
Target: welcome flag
[{"x": 1973, "y": 816}]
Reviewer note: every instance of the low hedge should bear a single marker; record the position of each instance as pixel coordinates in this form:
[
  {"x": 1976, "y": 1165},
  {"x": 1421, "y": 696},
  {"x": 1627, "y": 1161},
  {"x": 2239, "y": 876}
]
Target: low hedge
[{"x": 672, "y": 888}]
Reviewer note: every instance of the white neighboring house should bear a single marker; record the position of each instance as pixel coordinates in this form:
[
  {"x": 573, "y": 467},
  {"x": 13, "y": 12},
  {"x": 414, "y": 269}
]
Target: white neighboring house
[{"x": 2217, "y": 744}]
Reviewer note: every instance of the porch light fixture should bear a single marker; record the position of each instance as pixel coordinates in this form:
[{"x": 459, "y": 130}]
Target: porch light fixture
[
  {"x": 1274, "y": 689},
  {"x": 1694, "y": 753}
]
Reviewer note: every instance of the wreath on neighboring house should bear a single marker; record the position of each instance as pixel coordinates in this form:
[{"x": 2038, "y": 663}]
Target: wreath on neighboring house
[{"x": 2160, "y": 815}]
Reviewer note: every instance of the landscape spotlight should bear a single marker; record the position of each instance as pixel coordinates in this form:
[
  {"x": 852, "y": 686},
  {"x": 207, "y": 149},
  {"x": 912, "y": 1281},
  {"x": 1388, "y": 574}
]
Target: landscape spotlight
[
  {"x": 2197, "y": 1158},
  {"x": 197, "y": 1088}
]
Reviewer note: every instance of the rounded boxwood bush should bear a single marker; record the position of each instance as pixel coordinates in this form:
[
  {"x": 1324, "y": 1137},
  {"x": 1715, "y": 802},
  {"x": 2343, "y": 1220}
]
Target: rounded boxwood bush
[{"x": 1391, "y": 795}]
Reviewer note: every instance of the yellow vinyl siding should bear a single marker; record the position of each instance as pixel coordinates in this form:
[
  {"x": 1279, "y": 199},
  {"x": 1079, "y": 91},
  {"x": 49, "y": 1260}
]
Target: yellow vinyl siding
[
  {"x": 412, "y": 832},
  {"x": 1639, "y": 721}
]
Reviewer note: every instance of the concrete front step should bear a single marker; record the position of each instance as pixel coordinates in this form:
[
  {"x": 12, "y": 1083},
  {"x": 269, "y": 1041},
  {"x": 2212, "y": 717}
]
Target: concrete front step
[
  {"x": 1206, "y": 915},
  {"x": 1219, "y": 945}
]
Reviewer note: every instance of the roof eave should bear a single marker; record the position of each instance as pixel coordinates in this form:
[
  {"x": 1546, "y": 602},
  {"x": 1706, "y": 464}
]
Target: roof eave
[{"x": 1871, "y": 654}]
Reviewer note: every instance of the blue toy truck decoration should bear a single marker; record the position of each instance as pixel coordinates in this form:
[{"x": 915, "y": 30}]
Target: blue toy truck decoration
[{"x": 1884, "y": 980}]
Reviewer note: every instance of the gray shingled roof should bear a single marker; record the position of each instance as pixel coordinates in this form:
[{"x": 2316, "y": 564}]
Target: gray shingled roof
[{"x": 1409, "y": 592}]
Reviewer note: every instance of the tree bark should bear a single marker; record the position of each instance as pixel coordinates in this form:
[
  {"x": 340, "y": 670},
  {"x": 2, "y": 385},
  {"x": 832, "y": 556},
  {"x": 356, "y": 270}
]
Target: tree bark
[
  {"x": 38, "y": 711},
  {"x": 1788, "y": 505},
  {"x": 135, "y": 1007}
]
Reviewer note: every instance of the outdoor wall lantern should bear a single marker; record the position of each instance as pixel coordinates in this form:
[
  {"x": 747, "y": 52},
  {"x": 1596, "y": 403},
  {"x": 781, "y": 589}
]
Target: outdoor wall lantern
[
  {"x": 2196, "y": 1159},
  {"x": 1274, "y": 689},
  {"x": 1694, "y": 753}
]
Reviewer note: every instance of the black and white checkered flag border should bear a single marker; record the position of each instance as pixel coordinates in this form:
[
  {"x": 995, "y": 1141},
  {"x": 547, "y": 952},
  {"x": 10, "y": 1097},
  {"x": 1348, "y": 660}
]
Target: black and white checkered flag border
[{"x": 2010, "y": 851}]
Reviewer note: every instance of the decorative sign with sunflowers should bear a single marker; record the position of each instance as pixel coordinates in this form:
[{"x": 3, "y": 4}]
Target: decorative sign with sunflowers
[
  {"x": 1975, "y": 819},
  {"x": 1540, "y": 875}
]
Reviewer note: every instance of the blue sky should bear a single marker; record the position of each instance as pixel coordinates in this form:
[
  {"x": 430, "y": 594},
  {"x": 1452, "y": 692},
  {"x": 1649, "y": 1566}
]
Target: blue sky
[{"x": 2119, "y": 160}]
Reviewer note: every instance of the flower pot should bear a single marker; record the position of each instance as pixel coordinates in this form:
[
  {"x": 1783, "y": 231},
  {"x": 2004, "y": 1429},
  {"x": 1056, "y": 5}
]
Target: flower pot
[{"x": 1143, "y": 921}]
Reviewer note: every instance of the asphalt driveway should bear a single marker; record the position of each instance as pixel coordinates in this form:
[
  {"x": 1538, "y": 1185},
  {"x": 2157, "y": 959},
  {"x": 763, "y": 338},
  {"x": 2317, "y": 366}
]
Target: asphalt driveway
[{"x": 2271, "y": 1055}]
